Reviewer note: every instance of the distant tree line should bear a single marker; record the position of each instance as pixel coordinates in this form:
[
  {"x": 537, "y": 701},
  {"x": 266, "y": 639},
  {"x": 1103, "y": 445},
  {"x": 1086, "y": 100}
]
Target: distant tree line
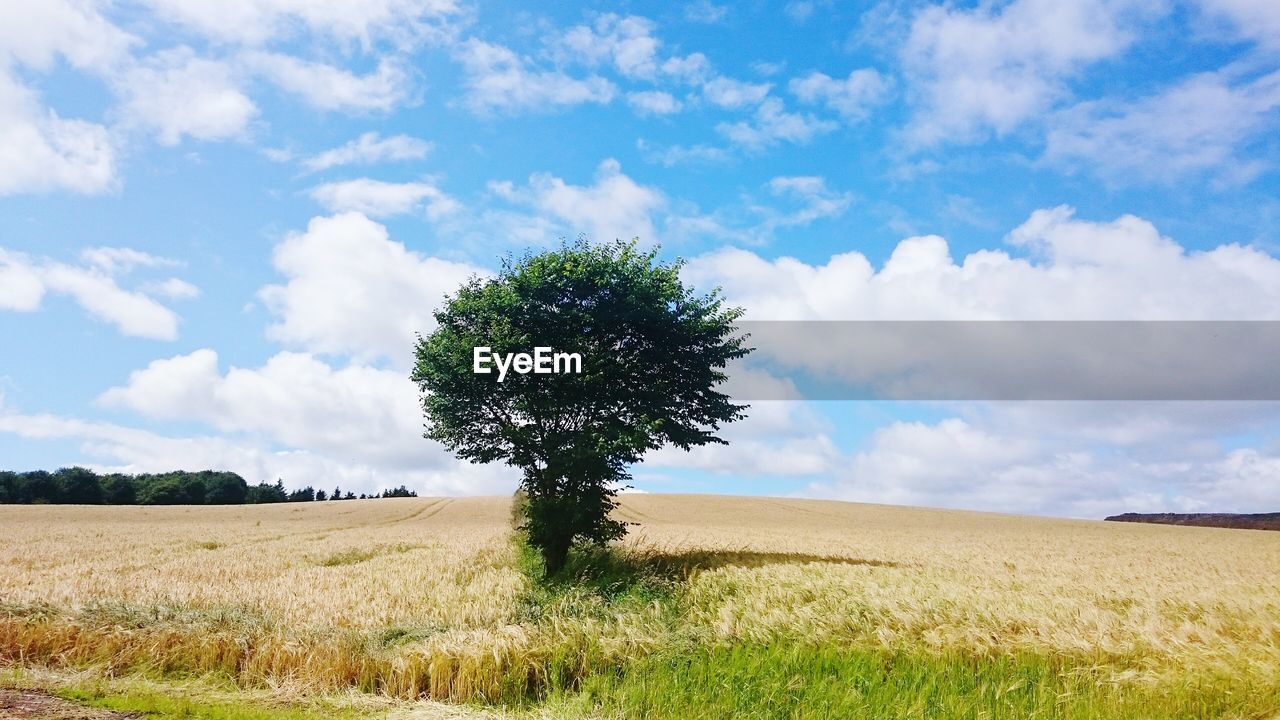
[{"x": 81, "y": 486}]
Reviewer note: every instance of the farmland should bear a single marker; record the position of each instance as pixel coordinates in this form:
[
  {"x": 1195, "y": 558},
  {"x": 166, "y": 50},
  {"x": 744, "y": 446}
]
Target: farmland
[{"x": 714, "y": 605}]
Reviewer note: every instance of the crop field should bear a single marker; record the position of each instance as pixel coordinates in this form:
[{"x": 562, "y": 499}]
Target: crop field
[{"x": 713, "y": 606}]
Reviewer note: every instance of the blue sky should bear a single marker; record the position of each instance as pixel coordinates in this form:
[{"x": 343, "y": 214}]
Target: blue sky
[{"x": 222, "y": 223}]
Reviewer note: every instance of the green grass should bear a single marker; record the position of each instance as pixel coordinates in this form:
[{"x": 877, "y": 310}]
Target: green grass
[
  {"x": 166, "y": 705},
  {"x": 792, "y": 680},
  {"x": 693, "y": 676}
]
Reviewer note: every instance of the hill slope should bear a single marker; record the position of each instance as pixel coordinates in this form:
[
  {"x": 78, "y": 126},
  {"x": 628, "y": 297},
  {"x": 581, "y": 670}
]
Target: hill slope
[{"x": 1254, "y": 521}]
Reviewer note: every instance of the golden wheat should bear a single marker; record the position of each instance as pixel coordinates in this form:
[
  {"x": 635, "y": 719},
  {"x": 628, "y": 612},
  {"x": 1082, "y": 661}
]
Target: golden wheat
[{"x": 425, "y": 597}]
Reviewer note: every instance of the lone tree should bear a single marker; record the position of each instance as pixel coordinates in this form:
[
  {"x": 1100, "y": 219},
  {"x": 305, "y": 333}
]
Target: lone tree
[{"x": 652, "y": 354}]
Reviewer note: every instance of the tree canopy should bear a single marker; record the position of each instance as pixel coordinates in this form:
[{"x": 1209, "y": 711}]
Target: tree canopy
[{"x": 652, "y": 355}]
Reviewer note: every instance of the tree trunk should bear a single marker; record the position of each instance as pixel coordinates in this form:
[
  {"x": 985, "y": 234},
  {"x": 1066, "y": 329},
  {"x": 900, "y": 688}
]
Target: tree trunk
[{"x": 555, "y": 554}]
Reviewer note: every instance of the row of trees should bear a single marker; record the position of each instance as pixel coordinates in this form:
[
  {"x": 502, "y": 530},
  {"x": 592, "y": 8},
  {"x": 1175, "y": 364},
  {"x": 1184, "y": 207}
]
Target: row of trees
[{"x": 81, "y": 486}]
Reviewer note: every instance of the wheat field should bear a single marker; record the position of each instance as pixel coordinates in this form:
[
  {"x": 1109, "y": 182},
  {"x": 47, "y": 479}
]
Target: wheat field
[{"x": 434, "y": 598}]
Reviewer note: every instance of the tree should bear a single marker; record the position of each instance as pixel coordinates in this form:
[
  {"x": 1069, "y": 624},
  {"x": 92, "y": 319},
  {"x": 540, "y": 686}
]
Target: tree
[
  {"x": 224, "y": 488},
  {"x": 265, "y": 493},
  {"x": 306, "y": 494},
  {"x": 78, "y": 486},
  {"x": 652, "y": 353},
  {"x": 163, "y": 490},
  {"x": 119, "y": 489},
  {"x": 38, "y": 487}
]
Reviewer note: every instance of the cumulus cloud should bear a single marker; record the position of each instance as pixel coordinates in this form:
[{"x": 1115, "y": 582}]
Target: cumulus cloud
[
  {"x": 384, "y": 199},
  {"x": 327, "y": 87},
  {"x": 614, "y": 207},
  {"x": 772, "y": 124},
  {"x": 818, "y": 200},
  {"x": 628, "y": 44},
  {"x": 118, "y": 259},
  {"x": 1256, "y": 20},
  {"x": 255, "y": 22},
  {"x": 1204, "y": 123},
  {"x": 173, "y": 288},
  {"x": 351, "y": 290},
  {"x": 1076, "y": 270},
  {"x": 852, "y": 97},
  {"x": 41, "y": 151},
  {"x": 653, "y": 102},
  {"x": 176, "y": 94},
  {"x": 369, "y": 148},
  {"x": 27, "y": 279},
  {"x": 1075, "y": 459},
  {"x": 294, "y": 399},
  {"x": 1079, "y": 459},
  {"x": 36, "y": 34},
  {"x": 498, "y": 79},
  {"x": 704, "y": 11},
  {"x": 991, "y": 68},
  {"x": 726, "y": 92}
]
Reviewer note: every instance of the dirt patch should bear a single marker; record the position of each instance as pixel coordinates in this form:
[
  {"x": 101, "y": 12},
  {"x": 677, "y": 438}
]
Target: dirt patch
[{"x": 34, "y": 705}]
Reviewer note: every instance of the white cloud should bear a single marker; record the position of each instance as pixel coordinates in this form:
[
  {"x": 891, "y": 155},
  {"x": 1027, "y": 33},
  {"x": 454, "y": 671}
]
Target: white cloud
[
  {"x": 818, "y": 200},
  {"x": 614, "y": 207},
  {"x": 626, "y": 42},
  {"x": 798, "y": 10},
  {"x": 1202, "y": 124},
  {"x": 498, "y": 79},
  {"x": 772, "y": 124},
  {"x": 361, "y": 423},
  {"x": 177, "y": 93},
  {"x": 173, "y": 288},
  {"x": 384, "y": 199},
  {"x": 672, "y": 155},
  {"x": 294, "y": 399},
  {"x": 630, "y": 47},
  {"x": 118, "y": 259},
  {"x": 21, "y": 288},
  {"x": 255, "y": 22},
  {"x": 1257, "y": 20},
  {"x": 351, "y": 290},
  {"x": 327, "y": 87},
  {"x": 1076, "y": 459},
  {"x": 28, "y": 279},
  {"x": 41, "y": 152},
  {"x": 133, "y": 313},
  {"x": 852, "y": 97},
  {"x": 729, "y": 93},
  {"x": 1079, "y": 270},
  {"x": 994, "y": 67},
  {"x": 653, "y": 102},
  {"x": 777, "y": 438},
  {"x": 35, "y": 34},
  {"x": 369, "y": 148},
  {"x": 704, "y": 11}
]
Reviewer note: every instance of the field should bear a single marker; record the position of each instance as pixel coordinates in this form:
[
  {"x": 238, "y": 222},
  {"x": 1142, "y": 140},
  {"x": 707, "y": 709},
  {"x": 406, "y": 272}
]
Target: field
[{"x": 714, "y": 606}]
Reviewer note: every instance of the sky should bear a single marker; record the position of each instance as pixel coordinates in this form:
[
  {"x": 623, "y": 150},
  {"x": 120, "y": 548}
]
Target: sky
[{"x": 222, "y": 224}]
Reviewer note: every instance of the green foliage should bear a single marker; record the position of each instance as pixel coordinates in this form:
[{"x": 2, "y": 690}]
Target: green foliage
[
  {"x": 266, "y": 493},
  {"x": 165, "y": 490},
  {"x": 78, "y": 486},
  {"x": 81, "y": 486},
  {"x": 792, "y": 680},
  {"x": 119, "y": 489},
  {"x": 652, "y": 351}
]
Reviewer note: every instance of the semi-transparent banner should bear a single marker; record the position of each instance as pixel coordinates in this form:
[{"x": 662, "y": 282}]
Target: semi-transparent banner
[{"x": 1008, "y": 360}]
